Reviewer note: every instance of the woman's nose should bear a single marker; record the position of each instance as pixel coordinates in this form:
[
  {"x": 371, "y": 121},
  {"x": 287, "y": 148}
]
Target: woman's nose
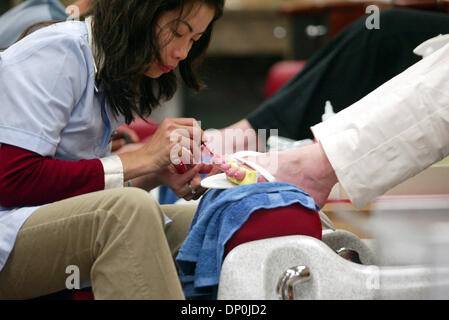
[{"x": 182, "y": 51}]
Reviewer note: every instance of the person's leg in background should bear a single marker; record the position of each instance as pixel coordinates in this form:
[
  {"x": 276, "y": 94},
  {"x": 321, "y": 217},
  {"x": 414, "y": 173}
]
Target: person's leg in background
[
  {"x": 117, "y": 239},
  {"x": 352, "y": 65}
]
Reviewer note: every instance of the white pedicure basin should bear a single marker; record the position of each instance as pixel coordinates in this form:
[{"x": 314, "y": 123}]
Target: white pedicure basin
[{"x": 407, "y": 259}]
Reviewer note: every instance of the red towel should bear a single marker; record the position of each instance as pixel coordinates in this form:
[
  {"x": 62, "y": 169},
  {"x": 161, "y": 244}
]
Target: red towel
[{"x": 270, "y": 223}]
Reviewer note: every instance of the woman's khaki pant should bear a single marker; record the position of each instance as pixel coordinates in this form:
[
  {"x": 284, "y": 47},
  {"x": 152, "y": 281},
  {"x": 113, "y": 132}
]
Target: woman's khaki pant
[{"x": 117, "y": 238}]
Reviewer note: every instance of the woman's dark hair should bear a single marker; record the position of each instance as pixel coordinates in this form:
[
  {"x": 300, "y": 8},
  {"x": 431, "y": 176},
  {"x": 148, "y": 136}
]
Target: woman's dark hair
[{"x": 125, "y": 35}]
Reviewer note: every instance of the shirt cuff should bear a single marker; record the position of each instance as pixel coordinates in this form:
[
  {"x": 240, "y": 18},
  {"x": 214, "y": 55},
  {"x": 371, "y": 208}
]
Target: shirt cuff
[{"x": 113, "y": 172}]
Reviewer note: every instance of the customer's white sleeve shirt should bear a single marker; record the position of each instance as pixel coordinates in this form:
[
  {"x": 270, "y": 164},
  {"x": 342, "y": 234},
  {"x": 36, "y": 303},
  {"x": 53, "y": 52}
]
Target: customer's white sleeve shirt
[{"x": 393, "y": 133}]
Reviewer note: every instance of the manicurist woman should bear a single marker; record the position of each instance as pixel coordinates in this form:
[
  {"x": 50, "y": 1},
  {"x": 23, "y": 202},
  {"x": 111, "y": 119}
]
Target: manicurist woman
[{"x": 64, "y": 200}]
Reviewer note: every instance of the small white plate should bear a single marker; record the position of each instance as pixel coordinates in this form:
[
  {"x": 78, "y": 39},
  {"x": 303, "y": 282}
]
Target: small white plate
[{"x": 218, "y": 181}]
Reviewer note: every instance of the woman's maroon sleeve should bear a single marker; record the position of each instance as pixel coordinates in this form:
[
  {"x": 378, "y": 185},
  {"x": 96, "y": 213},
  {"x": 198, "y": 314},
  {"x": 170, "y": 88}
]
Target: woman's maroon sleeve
[{"x": 28, "y": 179}]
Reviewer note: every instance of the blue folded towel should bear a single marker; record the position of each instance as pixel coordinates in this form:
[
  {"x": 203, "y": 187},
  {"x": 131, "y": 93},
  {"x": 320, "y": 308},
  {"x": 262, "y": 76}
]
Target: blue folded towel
[{"x": 219, "y": 215}]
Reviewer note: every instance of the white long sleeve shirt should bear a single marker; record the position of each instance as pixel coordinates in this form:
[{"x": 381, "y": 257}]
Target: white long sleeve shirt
[{"x": 394, "y": 132}]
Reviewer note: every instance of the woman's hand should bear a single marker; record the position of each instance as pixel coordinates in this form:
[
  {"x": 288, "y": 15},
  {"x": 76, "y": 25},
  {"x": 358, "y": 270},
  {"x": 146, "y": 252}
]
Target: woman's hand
[
  {"x": 196, "y": 181},
  {"x": 188, "y": 184},
  {"x": 175, "y": 139},
  {"x": 181, "y": 184}
]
